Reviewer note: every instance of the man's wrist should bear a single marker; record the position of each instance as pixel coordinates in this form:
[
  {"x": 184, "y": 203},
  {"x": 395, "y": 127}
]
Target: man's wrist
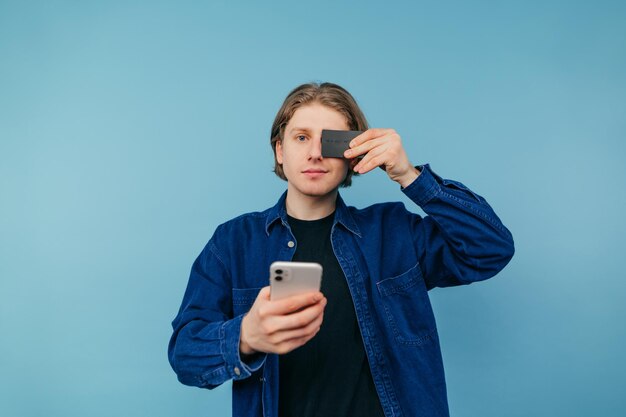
[
  {"x": 409, "y": 177},
  {"x": 244, "y": 347}
]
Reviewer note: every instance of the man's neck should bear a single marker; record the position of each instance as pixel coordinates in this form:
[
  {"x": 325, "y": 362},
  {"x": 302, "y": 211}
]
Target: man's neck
[{"x": 305, "y": 207}]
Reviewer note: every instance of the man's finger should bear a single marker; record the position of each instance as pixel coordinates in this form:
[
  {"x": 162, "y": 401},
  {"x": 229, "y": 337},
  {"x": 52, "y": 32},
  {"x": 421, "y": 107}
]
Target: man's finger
[
  {"x": 301, "y": 318},
  {"x": 299, "y": 332},
  {"x": 264, "y": 293},
  {"x": 364, "y": 147},
  {"x": 364, "y": 165},
  {"x": 367, "y": 135},
  {"x": 294, "y": 303}
]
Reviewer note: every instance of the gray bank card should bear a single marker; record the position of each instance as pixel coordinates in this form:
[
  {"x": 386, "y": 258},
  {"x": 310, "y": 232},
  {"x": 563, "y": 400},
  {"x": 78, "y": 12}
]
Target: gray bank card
[{"x": 336, "y": 142}]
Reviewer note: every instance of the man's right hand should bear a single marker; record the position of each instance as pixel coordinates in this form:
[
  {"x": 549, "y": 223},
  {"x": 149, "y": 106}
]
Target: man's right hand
[{"x": 281, "y": 326}]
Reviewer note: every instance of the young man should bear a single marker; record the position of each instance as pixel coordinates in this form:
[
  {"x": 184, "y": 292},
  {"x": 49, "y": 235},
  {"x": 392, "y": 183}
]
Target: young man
[{"x": 366, "y": 344}]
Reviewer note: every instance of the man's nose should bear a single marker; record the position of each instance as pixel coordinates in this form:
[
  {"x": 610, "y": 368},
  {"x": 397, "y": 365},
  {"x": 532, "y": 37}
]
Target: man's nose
[{"x": 315, "y": 151}]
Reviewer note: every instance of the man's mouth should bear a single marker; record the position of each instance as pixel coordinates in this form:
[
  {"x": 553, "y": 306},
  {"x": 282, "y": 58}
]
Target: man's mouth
[{"x": 314, "y": 173}]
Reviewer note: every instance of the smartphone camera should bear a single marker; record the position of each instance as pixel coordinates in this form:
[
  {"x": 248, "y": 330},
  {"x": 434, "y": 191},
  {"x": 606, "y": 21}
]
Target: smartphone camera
[{"x": 278, "y": 276}]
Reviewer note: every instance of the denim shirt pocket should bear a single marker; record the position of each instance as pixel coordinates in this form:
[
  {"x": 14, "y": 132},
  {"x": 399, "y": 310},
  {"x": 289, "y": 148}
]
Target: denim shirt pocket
[
  {"x": 243, "y": 298},
  {"x": 407, "y": 307}
]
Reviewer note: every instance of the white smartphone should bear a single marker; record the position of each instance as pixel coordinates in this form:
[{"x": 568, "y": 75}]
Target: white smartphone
[{"x": 290, "y": 278}]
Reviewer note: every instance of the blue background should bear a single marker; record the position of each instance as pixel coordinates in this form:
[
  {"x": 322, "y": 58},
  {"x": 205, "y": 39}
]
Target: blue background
[{"x": 130, "y": 130}]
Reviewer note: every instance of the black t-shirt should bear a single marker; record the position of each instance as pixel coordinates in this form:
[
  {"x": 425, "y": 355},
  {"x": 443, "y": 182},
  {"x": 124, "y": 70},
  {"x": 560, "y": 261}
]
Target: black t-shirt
[{"x": 328, "y": 376}]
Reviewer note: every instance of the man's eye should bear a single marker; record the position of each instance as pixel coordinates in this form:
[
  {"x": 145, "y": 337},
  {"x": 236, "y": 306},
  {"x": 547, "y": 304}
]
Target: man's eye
[{"x": 300, "y": 138}]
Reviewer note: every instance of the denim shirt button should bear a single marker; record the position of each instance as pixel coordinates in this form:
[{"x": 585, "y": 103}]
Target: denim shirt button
[
  {"x": 291, "y": 244},
  {"x": 237, "y": 371}
]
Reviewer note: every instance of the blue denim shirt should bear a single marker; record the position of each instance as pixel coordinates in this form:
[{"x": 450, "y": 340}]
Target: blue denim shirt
[{"x": 390, "y": 256}]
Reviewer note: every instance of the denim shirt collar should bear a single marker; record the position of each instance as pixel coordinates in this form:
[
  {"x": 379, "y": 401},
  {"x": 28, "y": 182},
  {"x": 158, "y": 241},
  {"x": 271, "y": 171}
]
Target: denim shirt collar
[{"x": 342, "y": 215}]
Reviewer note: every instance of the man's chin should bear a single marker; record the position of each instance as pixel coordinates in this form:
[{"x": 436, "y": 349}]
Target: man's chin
[{"x": 317, "y": 191}]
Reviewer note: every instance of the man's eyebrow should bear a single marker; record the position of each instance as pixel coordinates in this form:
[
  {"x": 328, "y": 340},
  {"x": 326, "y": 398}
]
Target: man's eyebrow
[{"x": 301, "y": 129}]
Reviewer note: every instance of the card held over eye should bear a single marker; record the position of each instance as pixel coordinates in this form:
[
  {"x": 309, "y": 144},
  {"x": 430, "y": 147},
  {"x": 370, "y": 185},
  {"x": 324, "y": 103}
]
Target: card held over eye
[{"x": 336, "y": 142}]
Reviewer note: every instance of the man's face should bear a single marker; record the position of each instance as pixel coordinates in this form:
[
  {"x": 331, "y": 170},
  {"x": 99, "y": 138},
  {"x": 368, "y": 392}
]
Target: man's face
[{"x": 300, "y": 152}]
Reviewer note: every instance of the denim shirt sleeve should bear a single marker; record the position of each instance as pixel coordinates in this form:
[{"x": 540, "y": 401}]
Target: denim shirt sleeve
[
  {"x": 461, "y": 240},
  {"x": 204, "y": 347}
]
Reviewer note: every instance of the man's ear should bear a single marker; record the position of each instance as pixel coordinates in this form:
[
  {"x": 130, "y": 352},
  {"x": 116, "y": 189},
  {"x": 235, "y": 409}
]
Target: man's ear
[{"x": 279, "y": 151}]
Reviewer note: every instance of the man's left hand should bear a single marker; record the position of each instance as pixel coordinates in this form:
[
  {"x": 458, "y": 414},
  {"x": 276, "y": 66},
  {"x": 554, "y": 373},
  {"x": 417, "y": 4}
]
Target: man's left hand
[{"x": 382, "y": 148}]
